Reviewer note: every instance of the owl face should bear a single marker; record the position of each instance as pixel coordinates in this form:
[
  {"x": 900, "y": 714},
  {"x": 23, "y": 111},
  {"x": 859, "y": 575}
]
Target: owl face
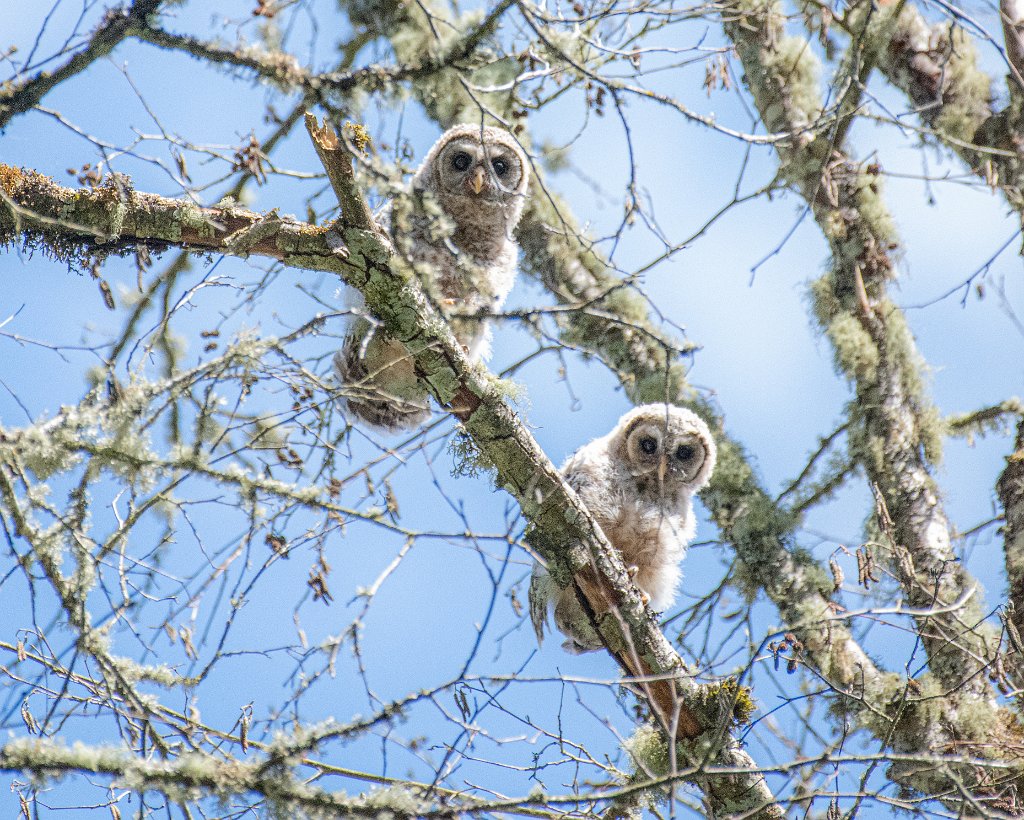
[
  {"x": 668, "y": 443},
  {"x": 482, "y": 165}
]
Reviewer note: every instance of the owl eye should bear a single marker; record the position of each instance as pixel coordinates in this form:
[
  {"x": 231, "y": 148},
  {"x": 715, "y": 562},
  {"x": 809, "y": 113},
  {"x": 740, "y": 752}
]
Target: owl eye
[
  {"x": 500, "y": 167},
  {"x": 461, "y": 161},
  {"x": 684, "y": 452},
  {"x": 648, "y": 445}
]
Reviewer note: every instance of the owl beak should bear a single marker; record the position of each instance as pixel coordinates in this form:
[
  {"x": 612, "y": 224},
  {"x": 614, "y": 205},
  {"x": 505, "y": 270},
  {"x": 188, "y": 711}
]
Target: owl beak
[
  {"x": 478, "y": 181},
  {"x": 662, "y": 469}
]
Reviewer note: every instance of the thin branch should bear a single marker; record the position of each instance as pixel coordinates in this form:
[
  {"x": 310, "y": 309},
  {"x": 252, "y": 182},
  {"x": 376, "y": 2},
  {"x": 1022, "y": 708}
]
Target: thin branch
[{"x": 117, "y": 24}]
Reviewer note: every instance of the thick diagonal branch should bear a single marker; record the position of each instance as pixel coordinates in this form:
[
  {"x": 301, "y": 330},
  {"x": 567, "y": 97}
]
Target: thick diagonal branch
[{"x": 1011, "y": 494}]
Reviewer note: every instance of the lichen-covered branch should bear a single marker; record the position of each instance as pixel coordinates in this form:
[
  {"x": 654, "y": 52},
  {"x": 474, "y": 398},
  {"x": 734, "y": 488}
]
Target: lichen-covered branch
[
  {"x": 936, "y": 66},
  {"x": 193, "y": 775},
  {"x": 355, "y": 212},
  {"x": 895, "y": 432},
  {"x": 72, "y": 589},
  {"x": 118, "y": 24},
  {"x": 1011, "y": 495},
  {"x": 284, "y": 71},
  {"x": 75, "y": 224},
  {"x": 998, "y": 417}
]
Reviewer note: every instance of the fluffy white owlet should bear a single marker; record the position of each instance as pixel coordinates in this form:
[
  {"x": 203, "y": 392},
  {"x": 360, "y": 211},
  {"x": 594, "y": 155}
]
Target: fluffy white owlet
[
  {"x": 455, "y": 229},
  {"x": 638, "y": 483}
]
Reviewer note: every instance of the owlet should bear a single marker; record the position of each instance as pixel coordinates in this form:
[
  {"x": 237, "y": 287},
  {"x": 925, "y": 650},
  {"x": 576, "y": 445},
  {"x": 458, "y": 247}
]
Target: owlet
[
  {"x": 638, "y": 482},
  {"x": 455, "y": 230}
]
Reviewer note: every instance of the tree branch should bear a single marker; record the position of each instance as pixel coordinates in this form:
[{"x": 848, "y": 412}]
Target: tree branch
[
  {"x": 215, "y": 777},
  {"x": 1011, "y": 14},
  {"x": 285, "y": 71},
  {"x": 355, "y": 212},
  {"x": 117, "y": 24},
  {"x": 72, "y": 225},
  {"x": 936, "y": 66},
  {"x": 1011, "y": 494}
]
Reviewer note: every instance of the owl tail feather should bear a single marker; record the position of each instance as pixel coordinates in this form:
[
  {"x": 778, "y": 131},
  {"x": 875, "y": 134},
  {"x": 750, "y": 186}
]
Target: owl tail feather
[{"x": 367, "y": 398}]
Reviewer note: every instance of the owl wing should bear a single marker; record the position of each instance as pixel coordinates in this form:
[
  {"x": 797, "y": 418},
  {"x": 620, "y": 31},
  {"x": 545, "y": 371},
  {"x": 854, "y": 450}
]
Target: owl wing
[
  {"x": 580, "y": 474},
  {"x": 588, "y": 472}
]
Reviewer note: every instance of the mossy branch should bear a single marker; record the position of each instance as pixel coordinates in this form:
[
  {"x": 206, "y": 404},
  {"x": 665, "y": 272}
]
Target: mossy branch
[
  {"x": 285, "y": 71},
  {"x": 196, "y": 774},
  {"x": 337, "y": 161},
  {"x": 987, "y": 419},
  {"x": 73, "y": 224},
  {"x": 937, "y": 67},
  {"x": 893, "y": 429},
  {"x": 1011, "y": 494}
]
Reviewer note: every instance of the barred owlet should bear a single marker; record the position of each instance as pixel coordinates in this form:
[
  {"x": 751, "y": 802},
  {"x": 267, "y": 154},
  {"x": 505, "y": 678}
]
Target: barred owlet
[
  {"x": 456, "y": 231},
  {"x": 638, "y": 482}
]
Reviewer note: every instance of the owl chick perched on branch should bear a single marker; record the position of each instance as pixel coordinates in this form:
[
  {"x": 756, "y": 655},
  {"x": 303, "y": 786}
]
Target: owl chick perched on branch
[
  {"x": 456, "y": 231},
  {"x": 638, "y": 482}
]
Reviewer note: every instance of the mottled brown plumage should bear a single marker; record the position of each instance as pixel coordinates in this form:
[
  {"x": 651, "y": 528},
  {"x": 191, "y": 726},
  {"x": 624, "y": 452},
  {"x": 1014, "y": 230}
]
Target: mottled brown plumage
[
  {"x": 638, "y": 482},
  {"x": 455, "y": 230}
]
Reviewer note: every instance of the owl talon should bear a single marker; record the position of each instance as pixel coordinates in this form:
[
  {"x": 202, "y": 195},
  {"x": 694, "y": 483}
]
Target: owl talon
[{"x": 632, "y": 571}]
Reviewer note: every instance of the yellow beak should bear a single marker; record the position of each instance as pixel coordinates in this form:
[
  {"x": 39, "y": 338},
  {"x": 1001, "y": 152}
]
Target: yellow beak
[
  {"x": 478, "y": 181},
  {"x": 662, "y": 469}
]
